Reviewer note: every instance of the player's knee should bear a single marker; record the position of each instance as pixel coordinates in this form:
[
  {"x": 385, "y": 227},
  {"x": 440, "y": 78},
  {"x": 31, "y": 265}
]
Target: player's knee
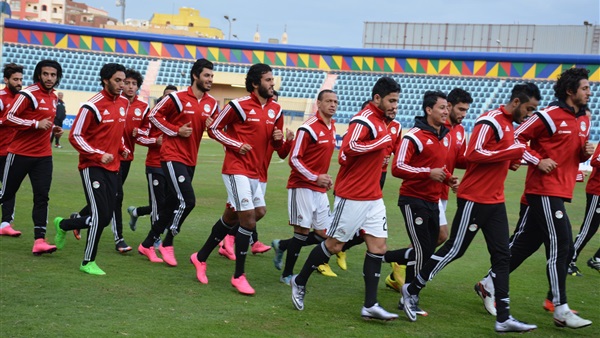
[{"x": 260, "y": 212}]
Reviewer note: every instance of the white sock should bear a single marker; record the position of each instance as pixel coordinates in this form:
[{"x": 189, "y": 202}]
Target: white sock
[
  {"x": 4, "y": 225},
  {"x": 562, "y": 308},
  {"x": 134, "y": 212}
]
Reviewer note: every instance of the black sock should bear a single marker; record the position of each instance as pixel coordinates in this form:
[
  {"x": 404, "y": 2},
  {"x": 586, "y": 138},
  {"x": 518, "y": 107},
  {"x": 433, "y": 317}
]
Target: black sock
[
  {"x": 319, "y": 255},
  {"x": 254, "y": 236},
  {"x": 313, "y": 239},
  {"x": 143, "y": 211},
  {"x": 293, "y": 250},
  {"x": 68, "y": 224},
  {"x": 284, "y": 244},
  {"x": 219, "y": 230},
  {"x": 415, "y": 286},
  {"x": 168, "y": 241},
  {"x": 242, "y": 242},
  {"x": 233, "y": 230},
  {"x": 356, "y": 240},
  {"x": 401, "y": 256},
  {"x": 371, "y": 271}
]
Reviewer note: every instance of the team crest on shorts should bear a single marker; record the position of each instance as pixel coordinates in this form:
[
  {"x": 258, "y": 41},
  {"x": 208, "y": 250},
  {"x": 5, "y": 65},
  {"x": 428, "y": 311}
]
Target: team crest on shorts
[
  {"x": 473, "y": 227},
  {"x": 418, "y": 221},
  {"x": 245, "y": 201},
  {"x": 122, "y": 111},
  {"x": 256, "y": 199},
  {"x": 300, "y": 218},
  {"x": 271, "y": 113},
  {"x": 558, "y": 214},
  {"x": 95, "y": 184},
  {"x": 207, "y": 108},
  {"x": 155, "y": 183},
  {"x": 181, "y": 179},
  {"x": 137, "y": 112}
]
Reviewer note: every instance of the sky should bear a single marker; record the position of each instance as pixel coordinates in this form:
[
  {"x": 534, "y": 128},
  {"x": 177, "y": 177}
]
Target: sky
[{"x": 340, "y": 23}]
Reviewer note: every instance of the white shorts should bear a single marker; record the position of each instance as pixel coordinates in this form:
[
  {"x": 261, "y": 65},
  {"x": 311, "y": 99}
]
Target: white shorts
[
  {"x": 243, "y": 193},
  {"x": 349, "y": 216},
  {"x": 263, "y": 188},
  {"x": 443, "y": 204},
  {"x": 308, "y": 208}
]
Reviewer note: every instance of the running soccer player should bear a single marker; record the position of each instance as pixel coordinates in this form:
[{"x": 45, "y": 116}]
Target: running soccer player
[
  {"x": 181, "y": 116},
  {"x": 308, "y": 183},
  {"x": 29, "y": 153},
  {"x": 358, "y": 199},
  {"x": 97, "y": 135},
  {"x": 491, "y": 151},
  {"x": 251, "y": 122},
  {"x": 13, "y": 79}
]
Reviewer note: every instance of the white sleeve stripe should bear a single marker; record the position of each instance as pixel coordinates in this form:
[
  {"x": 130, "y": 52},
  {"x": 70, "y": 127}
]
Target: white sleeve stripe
[
  {"x": 548, "y": 120},
  {"x": 297, "y": 163},
  {"x": 11, "y": 113},
  {"x": 483, "y": 131},
  {"x": 416, "y": 140},
  {"x": 366, "y": 122},
  {"x": 310, "y": 131},
  {"x": 156, "y": 122},
  {"x": 177, "y": 102},
  {"x": 77, "y": 133},
  {"x": 400, "y": 158},
  {"x": 239, "y": 109},
  {"x": 220, "y": 136},
  {"x": 494, "y": 123},
  {"x": 30, "y": 96}
]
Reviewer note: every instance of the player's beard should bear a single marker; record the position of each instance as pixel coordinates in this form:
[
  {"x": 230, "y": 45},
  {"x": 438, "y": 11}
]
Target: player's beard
[
  {"x": 14, "y": 89},
  {"x": 201, "y": 87},
  {"x": 264, "y": 92}
]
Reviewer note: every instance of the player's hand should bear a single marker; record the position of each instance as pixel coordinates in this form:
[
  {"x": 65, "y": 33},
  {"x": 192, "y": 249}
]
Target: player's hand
[
  {"x": 547, "y": 165},
  {"x": 45, "y": 124},
  {"x": 125, "y": 154},
  {"x": 134, "y": 132},
  {"x": 209, "y": 121},
  {"x": 58, "y": 131},
  {"x": 185, "y": 130},
  {"x": 437, "y": 174},
  {"x": 277, "y": 134},
  {"x": 107, "y": 158},
  {"x": 515, "y": 165},
  {"x": 245, "y": 148},
  {"x": 159, "y": 140},
  {"x": 289, "y": 135},
  {"x": 454, "y": 183},
  {"x": 324, "y": 181},
  {"x": 588, "y": 149}
]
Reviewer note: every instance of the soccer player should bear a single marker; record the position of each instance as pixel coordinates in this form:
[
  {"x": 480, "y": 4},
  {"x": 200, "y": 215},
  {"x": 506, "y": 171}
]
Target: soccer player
[
  {"x": 13, "y": 79},
  {"x": 555, "y": 151},
  {"x": 591, "y": 220},
  {"x": 29, "y": 153},
  {"x": 489, "y": 155},
  {"x": 97, "y": 135},
  {"x": 137, "y": 109},
  {"x": 358, "y": 198},
  {"x": 394, "y": 128},
  {"x": 153, "y": 142},
  {"x": 308, "y": 183},
  {"x": 181, "y": 116},
  {"x": 252, "y": 122},
  {"x": 420, "y": 163}
]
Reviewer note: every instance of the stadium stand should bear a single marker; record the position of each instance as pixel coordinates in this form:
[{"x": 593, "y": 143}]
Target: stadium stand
[{"x": 301, "y": 81}]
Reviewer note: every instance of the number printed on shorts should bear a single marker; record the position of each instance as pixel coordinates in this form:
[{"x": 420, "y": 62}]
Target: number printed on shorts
[{"x": 384, "y": 224}]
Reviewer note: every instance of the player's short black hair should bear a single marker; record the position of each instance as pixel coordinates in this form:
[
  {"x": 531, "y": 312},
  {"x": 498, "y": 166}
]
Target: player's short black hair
[
  {"x": 525, "y": 91},
  {"x": 254, "y": 75},
  {"x": 108, "y": 70},
  {"x": 134, "y": 74},
  {"x": 198, "y": 67},
  {"x": 37, "y": 73},
  {"x": 12, "y": 68},
  {"x": 169, "y": 87},
  {"x": 364, "y": 104},
  {"x": 569, "y": 81},
  {"x": 384, "y": 86},
  {"x": 430, "y": 99},
  {"x": 323, "y": 92},
  {"x": 459, "y": 95}
]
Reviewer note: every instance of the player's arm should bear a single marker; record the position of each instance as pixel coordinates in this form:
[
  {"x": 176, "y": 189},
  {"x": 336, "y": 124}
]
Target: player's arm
[
  {"x": 533, "y": 128},
  {"x": 595, "y": 161},
  {"x": 305, "y": 138},
  {"x": 88, "y": 115},
  {"x": 286, "y": 147},
  {"x": 23, "y": 101},
  {"x": 278, "y": 136},
  {"x": 409, "y": 147},
  {"x": 161, "y": 112},
  {"x": 361, "y": 139},
  {"x": 230, "y": 114},
  {"x": 486, "y": 130}
]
